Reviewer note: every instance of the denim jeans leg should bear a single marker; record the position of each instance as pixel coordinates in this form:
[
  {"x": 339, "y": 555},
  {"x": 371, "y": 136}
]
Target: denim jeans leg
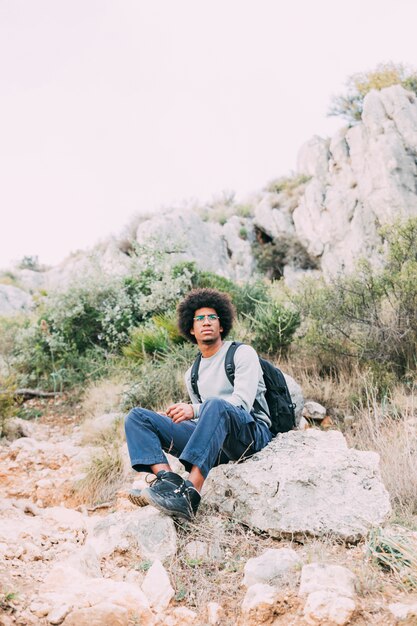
[
  {"x": 223, "y": 432},
  {"x": 149, "y": 434}
]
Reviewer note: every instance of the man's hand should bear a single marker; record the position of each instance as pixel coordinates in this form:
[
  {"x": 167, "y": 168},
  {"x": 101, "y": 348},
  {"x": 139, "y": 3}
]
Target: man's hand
[{"x": 180, "y": 412}]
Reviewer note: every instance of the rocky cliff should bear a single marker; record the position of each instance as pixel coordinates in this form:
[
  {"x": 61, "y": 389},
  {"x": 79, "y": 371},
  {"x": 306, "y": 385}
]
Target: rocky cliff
[{"x": 323, "y": 219}]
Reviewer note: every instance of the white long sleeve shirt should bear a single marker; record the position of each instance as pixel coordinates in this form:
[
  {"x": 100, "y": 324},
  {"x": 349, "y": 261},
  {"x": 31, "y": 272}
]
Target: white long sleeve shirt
[{"x": 213, "y": 382}]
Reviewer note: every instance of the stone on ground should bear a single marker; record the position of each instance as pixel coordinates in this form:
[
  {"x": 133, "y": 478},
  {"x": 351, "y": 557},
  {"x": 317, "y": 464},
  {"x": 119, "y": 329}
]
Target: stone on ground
[
  {"x": 303, "y": 483},
  {"x": 157, "y": 586},
  {"x": 323, "y": 577},
  {"x": 144, "y": 532},
  {"x": 272, "y": 567},
  {"x": 259, "y": 602},
  {"x": 324, "y": 607}
]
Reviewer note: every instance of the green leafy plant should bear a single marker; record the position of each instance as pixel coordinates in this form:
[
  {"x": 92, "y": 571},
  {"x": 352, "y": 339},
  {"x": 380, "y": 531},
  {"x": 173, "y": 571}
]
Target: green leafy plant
[
  {"x": 395, "y": 552},
  {"x": 274, "y": 326},
  {"x": 159, "y": 382},
  {"x": 371, "y": 315}
]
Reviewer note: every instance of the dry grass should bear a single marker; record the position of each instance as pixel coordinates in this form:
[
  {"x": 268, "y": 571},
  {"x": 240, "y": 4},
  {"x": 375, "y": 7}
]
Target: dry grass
[
  {"x": 216, "y": 576},
  {"x": 103, "y": 476},
  {"x": 395, "y": 551},
  {"x": 102, "y": 397},
  {"x": 391, "y": 430}
]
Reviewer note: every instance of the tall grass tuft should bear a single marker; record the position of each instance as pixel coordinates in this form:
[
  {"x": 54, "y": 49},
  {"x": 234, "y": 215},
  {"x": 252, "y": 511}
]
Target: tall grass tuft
[{"x": 396, "y": 552}]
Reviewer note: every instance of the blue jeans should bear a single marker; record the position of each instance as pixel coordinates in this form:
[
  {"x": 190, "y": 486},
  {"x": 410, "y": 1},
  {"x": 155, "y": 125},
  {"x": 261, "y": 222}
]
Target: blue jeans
[{"x": 223, "y": 433}]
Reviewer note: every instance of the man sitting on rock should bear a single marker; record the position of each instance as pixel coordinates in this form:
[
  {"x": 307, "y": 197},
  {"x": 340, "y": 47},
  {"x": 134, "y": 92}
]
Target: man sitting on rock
[{"x": 215, "y": 428}]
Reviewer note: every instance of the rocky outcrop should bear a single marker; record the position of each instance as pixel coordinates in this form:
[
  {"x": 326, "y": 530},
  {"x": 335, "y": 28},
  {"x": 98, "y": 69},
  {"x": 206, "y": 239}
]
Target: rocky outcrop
[
  {"x": 322, "y": 220},
  {"x": 364, "y": 177},
  {"x": 14, "y": 300},
  {"x": 299, "y": 472}
]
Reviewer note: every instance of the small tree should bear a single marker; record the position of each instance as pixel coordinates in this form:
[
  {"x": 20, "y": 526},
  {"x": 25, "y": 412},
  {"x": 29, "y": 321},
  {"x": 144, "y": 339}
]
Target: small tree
[{"x": 350, "y": 105}]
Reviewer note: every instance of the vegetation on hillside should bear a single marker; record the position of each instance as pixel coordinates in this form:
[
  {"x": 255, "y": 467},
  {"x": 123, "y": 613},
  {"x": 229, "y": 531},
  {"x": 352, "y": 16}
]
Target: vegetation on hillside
[
  {"x": 351, "y": 343},
  {"x": 350, "y": 104}
]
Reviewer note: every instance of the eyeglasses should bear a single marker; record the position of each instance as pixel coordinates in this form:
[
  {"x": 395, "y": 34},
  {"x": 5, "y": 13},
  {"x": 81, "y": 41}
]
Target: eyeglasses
[{"x": 211, "y": 317}]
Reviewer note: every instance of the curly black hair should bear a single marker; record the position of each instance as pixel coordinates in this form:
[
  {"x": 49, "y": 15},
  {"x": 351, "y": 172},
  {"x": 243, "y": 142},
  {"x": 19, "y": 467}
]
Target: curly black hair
[{"x": 200, "y": 298}]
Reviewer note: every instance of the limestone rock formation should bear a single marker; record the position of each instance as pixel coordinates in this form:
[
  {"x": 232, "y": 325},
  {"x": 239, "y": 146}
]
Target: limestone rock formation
[
  {"x": 363, "y": 177},
  {"x": 14, "y": 300},
  {"x": 304, "y": 483}
]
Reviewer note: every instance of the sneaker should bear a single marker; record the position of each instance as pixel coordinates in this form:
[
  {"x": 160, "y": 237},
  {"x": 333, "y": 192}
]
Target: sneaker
[
  {"x": 182, "y": 501},
  {"x": 162, "y": 481}
]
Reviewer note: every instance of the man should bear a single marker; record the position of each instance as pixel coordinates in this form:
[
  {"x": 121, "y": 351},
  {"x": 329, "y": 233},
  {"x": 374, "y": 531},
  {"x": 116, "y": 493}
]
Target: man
[{"x": 215, "y": 428}]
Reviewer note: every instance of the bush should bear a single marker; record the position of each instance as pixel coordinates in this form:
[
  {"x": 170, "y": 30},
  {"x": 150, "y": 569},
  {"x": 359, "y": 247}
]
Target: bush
[
  {"x": 288, "y": 184},
  {"x": 274, "y": 326},
  {"x": 371, "y": 316},
  {"x": 350, "y": 105},
  {"x": 7, "y": 403},
  {"x": 159, "y": 383},
  {"x": 79, "y": 330},
  {"x": 244, "y": 296}
]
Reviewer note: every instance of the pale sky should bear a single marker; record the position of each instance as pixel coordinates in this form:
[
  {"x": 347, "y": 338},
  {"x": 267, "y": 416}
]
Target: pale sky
[{"x": 109, "y": 108}]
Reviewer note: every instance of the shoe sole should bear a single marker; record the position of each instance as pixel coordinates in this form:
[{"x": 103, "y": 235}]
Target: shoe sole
[
  {"x": 138, "y": 500},
  {"x": 162, "y": 509}
]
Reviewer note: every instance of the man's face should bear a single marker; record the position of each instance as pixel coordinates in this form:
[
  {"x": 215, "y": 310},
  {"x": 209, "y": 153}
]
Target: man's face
[{"x": 206, "y": 326}]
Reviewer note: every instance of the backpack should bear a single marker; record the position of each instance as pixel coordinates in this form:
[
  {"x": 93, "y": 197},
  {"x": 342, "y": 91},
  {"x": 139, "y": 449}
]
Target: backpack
[{"x": 277, "y": 396}]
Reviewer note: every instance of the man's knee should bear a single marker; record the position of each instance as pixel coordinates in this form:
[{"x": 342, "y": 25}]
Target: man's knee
[
  {"x": 135, "y": 417},
  {"x": 214, "y": 405}
]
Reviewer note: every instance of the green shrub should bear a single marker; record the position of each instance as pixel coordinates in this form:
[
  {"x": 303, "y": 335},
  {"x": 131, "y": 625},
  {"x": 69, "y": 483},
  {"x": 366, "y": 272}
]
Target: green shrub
[
  {"x": 7, "y": 403},
  {"x": 244, "y": 296},
  {"x": 159, "y": 383},
  {"x": 146, "y": 340},
  {"x": 9, "y": 328},
  {"x": 370, "y": 316},
  {"x": 274, "y": 326},
  {"x": 350, "y": 105},
  {"x": 79, "y": 330}
]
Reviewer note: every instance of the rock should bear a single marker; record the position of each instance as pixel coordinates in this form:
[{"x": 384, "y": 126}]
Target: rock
[
  {"x": 271, "y": 567},
  {"x": 59, "y": 613},
  {"x": 296, "y": 396},
  {"x": 303, "y": 424},
  {"x": 402, "y": 611},
  {"x": 239, "y": 249},
  {"x": 183, "y": 616},
  {"x": 214, "y": 613},
  {"x": 364, "y": 177},
  {"x": 157, "y": 587},
  {"x": 144, "y": 531},
  {"x": 103, "y": 614},
  {"x": 329, "y": 578},
  {"x": 14, "y": 301},
  {"x": 65, "y": 585},
  {"x": 40, "y": 609},
  {"x": 314, "y": 411},
  {"x": 303, "y": 483},
  {"x": 197, "y": 550},
  {"x": 259, "y": 601},
  {"x": 323, "y": 607},
  {"x": 15, "y": 427},
  {"x": 188, "y": 238}
]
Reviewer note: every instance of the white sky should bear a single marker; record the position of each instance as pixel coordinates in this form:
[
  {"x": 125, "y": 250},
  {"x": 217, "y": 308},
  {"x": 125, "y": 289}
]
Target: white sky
[{"x": 112, "y": 107}]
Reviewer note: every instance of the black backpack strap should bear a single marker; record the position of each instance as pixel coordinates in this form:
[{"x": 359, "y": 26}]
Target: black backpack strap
[
  {"x": 229, "y": 366},
  {"x": 194, "y": 376},
  {"x": 229, "y": 361}
]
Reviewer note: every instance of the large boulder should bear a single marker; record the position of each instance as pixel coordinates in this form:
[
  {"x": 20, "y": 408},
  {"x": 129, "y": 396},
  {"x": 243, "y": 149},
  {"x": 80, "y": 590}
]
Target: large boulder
[{"x": 304, "y": 483}]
